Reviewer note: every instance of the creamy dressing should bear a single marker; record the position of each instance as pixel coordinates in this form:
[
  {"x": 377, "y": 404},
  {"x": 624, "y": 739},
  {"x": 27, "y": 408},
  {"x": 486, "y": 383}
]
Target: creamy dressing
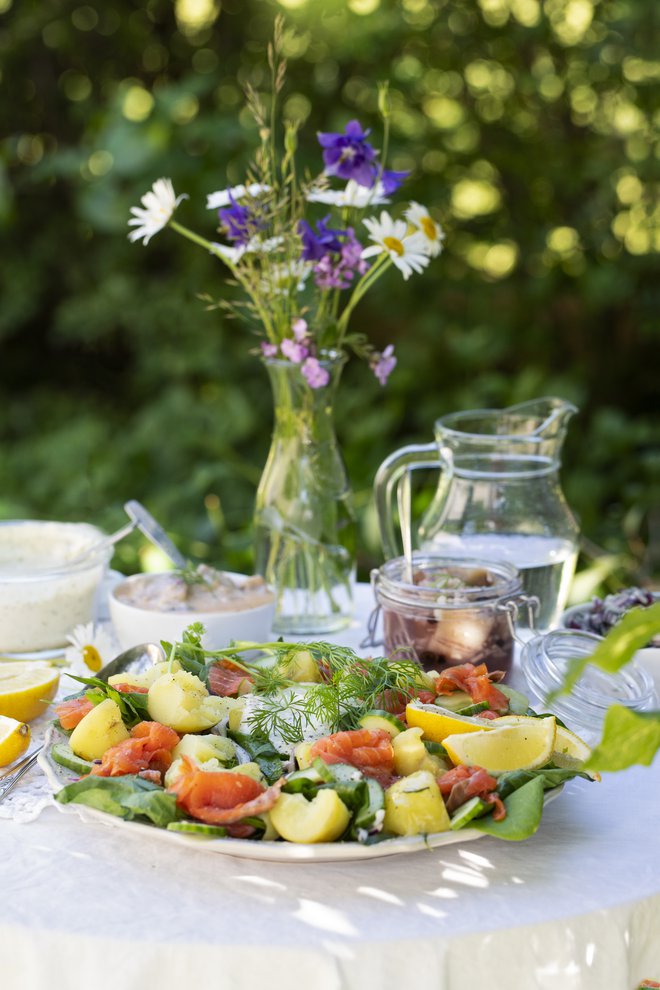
[
  {"x": 42, "y": 598},
  {"x": 207, "y": 590}
]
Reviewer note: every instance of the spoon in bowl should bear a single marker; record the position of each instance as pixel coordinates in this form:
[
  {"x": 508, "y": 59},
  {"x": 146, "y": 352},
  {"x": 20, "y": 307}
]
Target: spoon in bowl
[{"x": 140, "y": 519}]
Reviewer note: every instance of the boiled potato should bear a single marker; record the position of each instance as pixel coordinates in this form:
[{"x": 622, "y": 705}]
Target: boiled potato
[
  {"x": 410, "y": 754},
  {"x": 203, "y": 748},
  {"x": 321, "y": 820},
  {"x": 301, "y": 666},
  {"x": 249, "y": 770},
  {"x": 146, "y": 679},
  {"x": 414, "y": 806},
  {"x": 302, "y": 755},
  {"x": 98, "y": 730},
  {"x": 181, "y": 701}
]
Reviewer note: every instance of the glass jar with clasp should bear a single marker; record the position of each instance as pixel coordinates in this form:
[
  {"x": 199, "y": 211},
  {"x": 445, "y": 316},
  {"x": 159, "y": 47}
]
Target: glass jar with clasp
[{"x": 498, "y": 497}]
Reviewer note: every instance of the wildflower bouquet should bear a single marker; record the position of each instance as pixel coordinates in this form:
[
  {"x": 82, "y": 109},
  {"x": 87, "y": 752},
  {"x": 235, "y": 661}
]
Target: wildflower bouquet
[{"x": 304, "y": 252}]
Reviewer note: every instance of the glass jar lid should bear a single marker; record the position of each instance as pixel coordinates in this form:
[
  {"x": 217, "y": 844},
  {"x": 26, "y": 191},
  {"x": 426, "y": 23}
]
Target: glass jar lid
[
  {"x": 545, "y": 661},
  {"x": 446, "y": 582}
]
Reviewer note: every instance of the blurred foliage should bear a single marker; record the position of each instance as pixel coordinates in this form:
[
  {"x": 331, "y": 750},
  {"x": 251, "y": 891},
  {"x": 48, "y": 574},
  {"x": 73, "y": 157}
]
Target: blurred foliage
[{"x": 529, "y": 127}]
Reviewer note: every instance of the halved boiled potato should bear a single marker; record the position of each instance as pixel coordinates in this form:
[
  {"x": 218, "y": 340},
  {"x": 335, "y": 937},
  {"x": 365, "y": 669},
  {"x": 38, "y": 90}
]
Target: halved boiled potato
[
  {"x": 321, "y": 820},
  {"x": 98, "y": 730},
  {"x": 414, "y": 806},
  {"x": 181, "y": 701},
  {"x": 146, "y": 679}
]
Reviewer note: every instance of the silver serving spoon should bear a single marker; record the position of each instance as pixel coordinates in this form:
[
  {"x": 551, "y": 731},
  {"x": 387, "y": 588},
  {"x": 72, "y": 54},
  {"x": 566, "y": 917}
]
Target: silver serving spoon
[
  {"x": 145, "y": 522},
  {"x": 136, "y": 660}
]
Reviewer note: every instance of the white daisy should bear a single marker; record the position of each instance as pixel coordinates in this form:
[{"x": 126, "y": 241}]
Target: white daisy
[
  {"x": 353, "y": 195},
  {"x": 91, "y": 648},
  {"x": 159, "y": 205},
  {"x": 407, "y": 251},
  {"x": 418, "y": 216},
  {"x": 223, "y": 197}
]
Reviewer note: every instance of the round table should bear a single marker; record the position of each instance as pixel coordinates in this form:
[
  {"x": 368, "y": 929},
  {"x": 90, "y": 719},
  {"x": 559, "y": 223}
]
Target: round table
[{"x": 576, "y": 907}]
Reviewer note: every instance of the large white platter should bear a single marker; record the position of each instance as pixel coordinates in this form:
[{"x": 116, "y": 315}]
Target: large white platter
[{"x": 276, "y": 852}]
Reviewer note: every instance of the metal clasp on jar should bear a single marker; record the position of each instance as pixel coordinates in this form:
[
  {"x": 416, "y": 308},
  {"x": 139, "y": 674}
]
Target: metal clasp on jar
[{"x": 511, "y": 609}]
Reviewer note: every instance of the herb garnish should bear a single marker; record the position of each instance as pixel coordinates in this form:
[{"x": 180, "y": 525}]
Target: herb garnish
[{"x": 351, "y": 685}]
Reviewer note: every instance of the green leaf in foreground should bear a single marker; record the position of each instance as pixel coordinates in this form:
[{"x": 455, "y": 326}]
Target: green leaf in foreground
[
  {"x": 126, "y": 797},
  {"x": 524, "y": 808},
  {"x": 628, "y": 738},
  {"x": 632, "y": 633}
]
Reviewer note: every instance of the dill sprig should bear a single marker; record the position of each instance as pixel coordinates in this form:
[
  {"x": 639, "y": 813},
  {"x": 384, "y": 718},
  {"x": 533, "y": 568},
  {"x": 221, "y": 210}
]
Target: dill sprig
[{"x": 351, "y": 685}]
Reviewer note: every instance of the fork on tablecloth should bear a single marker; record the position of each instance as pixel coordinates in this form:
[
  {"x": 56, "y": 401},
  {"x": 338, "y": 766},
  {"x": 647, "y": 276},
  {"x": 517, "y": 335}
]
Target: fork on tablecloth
[{"x": 9, "y": 779}]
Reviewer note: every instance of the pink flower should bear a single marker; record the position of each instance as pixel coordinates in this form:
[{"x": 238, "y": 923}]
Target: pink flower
[
  {"x": 383, "y": 364},
  {"x": 293, "y": 351},
  {"x": 316, "y": 375},
  {"x": 299, "y": 328},
  {"x": 268, "y": 350}
]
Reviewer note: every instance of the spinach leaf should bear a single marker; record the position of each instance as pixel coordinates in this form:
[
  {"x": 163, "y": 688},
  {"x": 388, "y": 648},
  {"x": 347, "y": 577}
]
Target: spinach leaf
[
  {"x": 628, "y": 738},
  {"x": 132, "y": 704},
  {"x": 524, "y": 808},
  {"x": 126, "y": 797},
  {"x": 260, "y": 750},
  {"x": 511, "y": 781}
]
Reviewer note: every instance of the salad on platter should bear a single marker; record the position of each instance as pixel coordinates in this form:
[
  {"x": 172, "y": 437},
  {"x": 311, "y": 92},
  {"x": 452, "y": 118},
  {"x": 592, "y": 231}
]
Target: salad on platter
[{"x": 310, "y": 744}]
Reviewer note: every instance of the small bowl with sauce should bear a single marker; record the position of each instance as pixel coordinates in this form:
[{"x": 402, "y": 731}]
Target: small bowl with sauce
[
  {"x": 43, "y": 592},
  {"x": 150, "y": 607}
]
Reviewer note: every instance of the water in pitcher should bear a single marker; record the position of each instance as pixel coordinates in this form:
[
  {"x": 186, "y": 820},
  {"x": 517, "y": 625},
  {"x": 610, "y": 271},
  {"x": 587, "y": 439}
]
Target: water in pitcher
[{"x": 546, "y": 565}]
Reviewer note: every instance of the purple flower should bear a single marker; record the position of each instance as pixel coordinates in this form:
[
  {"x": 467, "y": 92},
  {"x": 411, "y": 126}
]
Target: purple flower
[
  {"x": 349, "y": 155},
  {"x": 315, "y": 245},
  {"x": 392, "y": 180},
  {"x": 383, "y": 364},
  {"x": 293, "y": 351},
  {"x": 351, "y": 253},
  {"x": 268, "y": 350},
  {"x": 299, "y": 328},
  {"x": 331, "y": 275},
  {"x": 316, "y": 375},
  {"x": 238, "y": 222}
]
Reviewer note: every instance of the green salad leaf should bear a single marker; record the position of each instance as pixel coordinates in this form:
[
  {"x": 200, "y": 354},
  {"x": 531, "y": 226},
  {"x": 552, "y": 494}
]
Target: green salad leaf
[
  {"x": 261, "y": 751},
  {"x": 132, "y": 704},
  {"x": 127, "y": 797},
  {"x": 524, "y": 808},
  {"x": 628, "y": 738}
]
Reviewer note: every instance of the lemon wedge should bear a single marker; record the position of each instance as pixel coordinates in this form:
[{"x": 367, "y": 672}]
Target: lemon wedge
[
  {"x": 26, "y": 688},
  {"x": 14, "y": 739},
  {"x": 571, "y": 752},
  {"x": 437, "y": 723},
  {"x": 525, "y": 746}
]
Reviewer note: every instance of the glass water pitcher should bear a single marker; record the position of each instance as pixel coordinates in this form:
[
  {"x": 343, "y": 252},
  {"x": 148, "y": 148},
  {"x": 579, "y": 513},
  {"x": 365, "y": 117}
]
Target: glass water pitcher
[{"x": 498, "y": 495}]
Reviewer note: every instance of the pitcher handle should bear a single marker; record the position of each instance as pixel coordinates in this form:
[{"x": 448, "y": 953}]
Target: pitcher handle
[{"x": 388, "y": 476}]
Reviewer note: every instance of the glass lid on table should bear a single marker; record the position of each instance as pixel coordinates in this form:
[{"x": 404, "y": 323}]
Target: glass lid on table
[
  {"x": 445, "y": 611},
  {"x": 545, "y": 662}
]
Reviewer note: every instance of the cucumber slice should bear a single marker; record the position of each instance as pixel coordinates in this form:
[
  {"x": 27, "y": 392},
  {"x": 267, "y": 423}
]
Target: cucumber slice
[
  {"x": 378, "y": 719},
  {"x": 366, "y": 816},
  {"x": 518, "y": 703},
  {"x": 435, "y": 749},
  {"x": 198, "y": 828},
  {"x": 336, "y": 773},
  {"x": 65, "y": 756},
  {"x": 455, "y": 701},
  {"x": 480, "y": 706},
  {"x": 474, "y": 808}
]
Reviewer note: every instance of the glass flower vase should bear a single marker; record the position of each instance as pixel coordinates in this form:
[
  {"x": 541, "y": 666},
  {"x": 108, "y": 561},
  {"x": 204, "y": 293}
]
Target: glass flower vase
[{"x": 304, "y": 518}]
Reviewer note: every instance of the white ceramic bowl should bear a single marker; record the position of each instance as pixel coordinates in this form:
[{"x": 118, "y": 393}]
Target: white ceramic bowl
[
  {"x": 42, "y": 595},
  {"x": 134, "y": 625}
]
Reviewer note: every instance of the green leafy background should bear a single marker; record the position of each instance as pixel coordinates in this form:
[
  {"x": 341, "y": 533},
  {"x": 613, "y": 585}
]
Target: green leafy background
[{"x": 529, "y": 127}]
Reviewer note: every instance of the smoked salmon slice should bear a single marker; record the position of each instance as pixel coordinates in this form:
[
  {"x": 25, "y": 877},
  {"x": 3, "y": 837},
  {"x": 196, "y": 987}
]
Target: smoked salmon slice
[
  {"x": 477, "y": 682},
  {"x": 149, "y": 748},
  {"x": 368, "y": 750},
  {"x": 462, "y": 783},
  {"x": 226, "y": 678},
  {"x": 219, "y": 797},
  {"x": 71, "y": 712}
]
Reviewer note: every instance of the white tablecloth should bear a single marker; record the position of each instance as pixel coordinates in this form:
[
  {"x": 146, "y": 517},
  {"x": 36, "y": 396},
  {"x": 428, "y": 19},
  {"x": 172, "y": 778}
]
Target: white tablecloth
[{"x": 576, "y": 907}]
